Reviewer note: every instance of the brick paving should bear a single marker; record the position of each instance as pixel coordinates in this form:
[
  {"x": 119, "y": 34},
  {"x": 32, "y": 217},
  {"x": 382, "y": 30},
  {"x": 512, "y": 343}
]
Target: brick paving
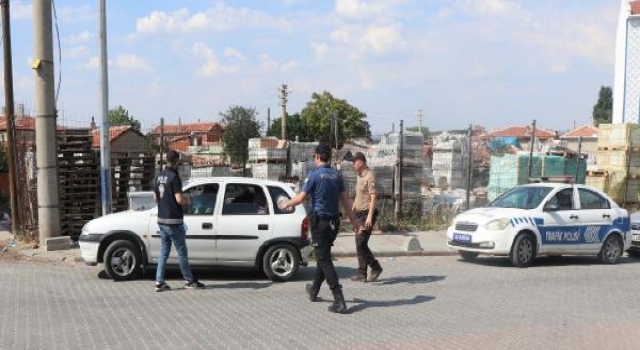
[{"x": 419, "y": 303}]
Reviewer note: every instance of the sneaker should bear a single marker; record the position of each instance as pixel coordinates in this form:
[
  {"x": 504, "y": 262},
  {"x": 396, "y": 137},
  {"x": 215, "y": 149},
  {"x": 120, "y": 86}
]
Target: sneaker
[
  {"x": 374, "y": 275},
  {"x": 194, "y": 284},
  {"x": 162, "y": 287},
  {"x": 359, "y": 278}
]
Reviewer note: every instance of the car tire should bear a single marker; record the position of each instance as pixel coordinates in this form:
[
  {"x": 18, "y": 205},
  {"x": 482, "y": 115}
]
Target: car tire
[
  {"x": 281, "y": 262},
  {"x": 122, "y": 260},
  {"x": 523, "y": 251},
  {"x": 612, "y": 249},
  {"x": 468, "y": 256}
]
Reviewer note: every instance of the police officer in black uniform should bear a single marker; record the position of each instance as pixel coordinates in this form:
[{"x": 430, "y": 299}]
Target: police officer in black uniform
[{"x": 326, "y": 188}]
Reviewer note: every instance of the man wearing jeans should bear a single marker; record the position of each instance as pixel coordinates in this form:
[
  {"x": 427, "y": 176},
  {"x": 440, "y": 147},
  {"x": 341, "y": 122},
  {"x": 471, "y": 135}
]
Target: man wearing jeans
[
  {"x": 364, "y": 206},
  {"x": 168, "y": 194}
]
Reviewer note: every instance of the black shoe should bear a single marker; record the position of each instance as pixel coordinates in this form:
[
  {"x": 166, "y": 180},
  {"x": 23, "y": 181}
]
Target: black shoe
[
  {"x": 375, "y": 273},
  {"x": 312, "y": 292},
  {"x": 338, "y": 306},
  {"x": 359, "y": 278},
  {"x": 194, "y": 284},
  {"x": 162, "y": 287}
]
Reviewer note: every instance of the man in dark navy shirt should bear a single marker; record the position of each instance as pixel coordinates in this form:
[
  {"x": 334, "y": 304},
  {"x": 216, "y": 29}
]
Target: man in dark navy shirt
[
  {"x": 168, "y": 194},
  {"x": 326, "y": 188}
]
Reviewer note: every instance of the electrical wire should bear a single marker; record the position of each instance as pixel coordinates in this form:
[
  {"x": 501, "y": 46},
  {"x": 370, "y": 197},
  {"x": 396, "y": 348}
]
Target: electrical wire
[{"x": 55, "y": 17}]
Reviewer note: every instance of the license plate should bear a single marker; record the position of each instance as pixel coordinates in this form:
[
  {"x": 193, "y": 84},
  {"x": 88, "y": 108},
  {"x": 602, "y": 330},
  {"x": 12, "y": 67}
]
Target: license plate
[
  {"x": 458, "y": 237},
  {"x": 635, "y": 237}
]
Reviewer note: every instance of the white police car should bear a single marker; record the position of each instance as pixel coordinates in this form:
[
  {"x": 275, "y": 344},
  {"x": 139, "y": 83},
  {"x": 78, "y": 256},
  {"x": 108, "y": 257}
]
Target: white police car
[
  {"x": 543, "y": 219},
  {"x": 634, "y": 249}
]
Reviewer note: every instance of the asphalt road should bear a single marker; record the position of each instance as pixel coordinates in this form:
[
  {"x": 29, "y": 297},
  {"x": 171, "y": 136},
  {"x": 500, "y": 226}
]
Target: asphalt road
[{"x": 419, "y": 303}]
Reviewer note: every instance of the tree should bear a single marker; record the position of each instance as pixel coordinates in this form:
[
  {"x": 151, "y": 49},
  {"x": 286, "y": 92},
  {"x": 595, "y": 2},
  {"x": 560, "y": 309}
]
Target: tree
[
  {"x": 318, "y": 113},
  {"x": 241, "y": 125},
  {"x": 295, "y": 128},
  {"x": 120, "y": 116},
  {"x": 425, "y": 131},
  {"x": 603, "y": 109}
]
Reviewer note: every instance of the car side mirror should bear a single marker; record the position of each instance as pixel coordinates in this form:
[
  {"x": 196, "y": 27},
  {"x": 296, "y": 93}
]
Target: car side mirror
[{"x": 551, "y": 207}]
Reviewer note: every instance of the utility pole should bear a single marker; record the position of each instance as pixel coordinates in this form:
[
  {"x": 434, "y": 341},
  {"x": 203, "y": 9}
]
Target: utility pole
[
  {"x": 268, "y": 120},
  {"x": 533, "y": 139},
  {"x": 420, "y": 120},
  {"x": 283, "y": 102},
  {"x": 9, "y": 114},
  {"x": 400, "y": 175},
  {"x": 105, "y": 140},
  {"x": 45, "y": 114},
  {"x": 579, "y": 158},
  {"x": 469, "y": 166}
]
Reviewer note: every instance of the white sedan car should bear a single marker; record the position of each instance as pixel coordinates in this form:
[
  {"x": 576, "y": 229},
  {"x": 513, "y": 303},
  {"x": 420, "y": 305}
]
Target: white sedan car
[
  {"x": 230, "y": 222},
  {"x": 543, "y": 219}
]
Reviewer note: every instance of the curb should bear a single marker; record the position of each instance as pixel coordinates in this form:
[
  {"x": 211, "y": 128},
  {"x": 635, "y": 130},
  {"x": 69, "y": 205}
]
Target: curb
[{"x": 393, "y": 254}]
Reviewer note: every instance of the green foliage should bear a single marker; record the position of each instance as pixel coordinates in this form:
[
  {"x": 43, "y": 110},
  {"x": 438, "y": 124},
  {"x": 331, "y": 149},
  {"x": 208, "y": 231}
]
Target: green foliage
[
  {"x": 318, "y": 113},
  {"x": 120, "y": 116},
  {"x": 425, "y": 131},
  {"x": 603, "y": 109},
  {"x": 295, "y": 128},
  {"x": 241, "y": 125}
]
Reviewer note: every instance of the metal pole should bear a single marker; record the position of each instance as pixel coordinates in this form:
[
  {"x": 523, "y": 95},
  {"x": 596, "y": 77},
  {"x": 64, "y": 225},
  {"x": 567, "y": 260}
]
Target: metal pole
[
  {"x": 400, "y": 166},
  {"x": 469, "y": 167},
  {"x": 268, "y": 121},
  {"x": 161, "y": 143},
  {"x": 45, "y": 114},
  {"x": 283, "y": 104},
  {"x": 105, "y": 146},
  {"x": 9, "y": 115},
  {"x": 578, "y": 158},
  {"x": 533, "y": 138}
]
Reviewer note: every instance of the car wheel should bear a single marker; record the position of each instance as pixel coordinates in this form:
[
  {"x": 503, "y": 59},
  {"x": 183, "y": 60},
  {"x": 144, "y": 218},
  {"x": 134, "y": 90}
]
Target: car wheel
[
  {"x": 281, "y": 262},
  {"x": 611, "y": 249},
  {"x": 122, "y": 260},
  {"x": 468, "y": 256},
  {"x": 523, "y": 251}
]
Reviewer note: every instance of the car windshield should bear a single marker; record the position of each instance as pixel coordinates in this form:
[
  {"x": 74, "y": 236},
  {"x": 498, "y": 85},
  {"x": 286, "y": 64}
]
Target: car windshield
[{"x": 521, "y": 197}]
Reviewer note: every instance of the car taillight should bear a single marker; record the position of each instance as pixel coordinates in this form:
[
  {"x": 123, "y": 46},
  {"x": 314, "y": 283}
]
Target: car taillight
[{"x": 304, "y": 229}]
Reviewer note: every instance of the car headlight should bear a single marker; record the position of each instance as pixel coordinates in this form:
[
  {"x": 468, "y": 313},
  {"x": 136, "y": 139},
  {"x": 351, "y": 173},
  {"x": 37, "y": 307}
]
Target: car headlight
[{"x": 497, "y": 224}]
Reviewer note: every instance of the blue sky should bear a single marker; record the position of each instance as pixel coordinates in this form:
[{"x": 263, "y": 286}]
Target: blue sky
[{"x": 491, "y": 62}]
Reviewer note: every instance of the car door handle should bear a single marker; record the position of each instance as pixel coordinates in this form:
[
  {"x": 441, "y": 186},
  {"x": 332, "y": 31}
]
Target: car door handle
[
  {"x": 207, "y": 226},
  {"x": 263, "y": 227},
  {"x": 573, "y": 217},
  {"x": 606, "y": 216}
]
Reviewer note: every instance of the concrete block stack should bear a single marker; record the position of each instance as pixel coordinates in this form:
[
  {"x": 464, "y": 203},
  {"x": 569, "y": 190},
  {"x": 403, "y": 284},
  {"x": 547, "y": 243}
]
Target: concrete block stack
[
  {"x": 618, "y": 160},
  {"x": 267, "y": 158}
]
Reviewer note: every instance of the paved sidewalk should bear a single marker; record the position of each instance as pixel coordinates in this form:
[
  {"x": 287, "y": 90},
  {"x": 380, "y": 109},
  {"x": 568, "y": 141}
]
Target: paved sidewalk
[{"x": 388, "y": 244}]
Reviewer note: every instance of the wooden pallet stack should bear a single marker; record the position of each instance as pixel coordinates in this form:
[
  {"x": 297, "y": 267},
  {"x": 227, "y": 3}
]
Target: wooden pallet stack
[
  {"x": 79, "y": 180},
  {"x": 618, "y": 161},
  {"x": 130, "y": 172}
]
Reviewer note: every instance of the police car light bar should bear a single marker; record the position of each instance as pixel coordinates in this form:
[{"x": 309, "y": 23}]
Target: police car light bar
[{"x": 556, "y": 179}]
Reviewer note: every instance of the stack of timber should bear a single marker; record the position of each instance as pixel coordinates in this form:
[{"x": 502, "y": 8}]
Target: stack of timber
[
  {"x": 130, "y": 172},
  {"x": 79, "y": 180}
]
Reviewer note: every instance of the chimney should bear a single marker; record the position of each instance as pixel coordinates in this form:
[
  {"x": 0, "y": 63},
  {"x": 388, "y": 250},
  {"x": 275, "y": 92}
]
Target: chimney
[
  {"x": 93, "y": 124},
  {"x": 179, "y": 123}
]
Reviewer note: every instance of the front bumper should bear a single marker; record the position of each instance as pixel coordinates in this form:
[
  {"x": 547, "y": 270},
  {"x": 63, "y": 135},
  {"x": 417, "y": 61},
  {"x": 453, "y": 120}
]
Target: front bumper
[
  {"x": 635, "y": 241},
  {"x": 482, "y": 241},
  {"x": 89, "y": 252}
]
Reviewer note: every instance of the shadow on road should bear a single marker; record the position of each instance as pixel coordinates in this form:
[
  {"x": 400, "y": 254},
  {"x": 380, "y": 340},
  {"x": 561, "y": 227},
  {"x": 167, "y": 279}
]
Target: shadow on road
[
  {"x": 409, "y": 280},
  {"x": 362, "y": 304},
  {"x": 545, "y": 261}
]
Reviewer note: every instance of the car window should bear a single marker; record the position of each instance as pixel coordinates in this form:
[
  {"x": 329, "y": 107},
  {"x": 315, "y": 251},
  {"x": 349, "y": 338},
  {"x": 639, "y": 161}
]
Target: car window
[
  {"x": 563, "y": 199},
  {"x": 203, "y": 199},
  {"x": 592, "y": 200},
  {"x": 528, "y": 197},
  {"x": 277, "y": 193},
  {"x": 244, "y": 199}
]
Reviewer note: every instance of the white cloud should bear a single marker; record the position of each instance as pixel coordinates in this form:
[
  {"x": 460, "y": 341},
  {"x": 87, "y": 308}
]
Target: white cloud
[
  {"x": 341, "y": 36},
  {"x": 289, "y": 66},
  {"x": 21, "y": 11},
  {"x": 320, "y": 49},
  {"x": 211, "y": 65},
  {"x": 132, "y": 62},
  {"x": 93, "y": 63},
  {"x": 79, "y": 38},
  {"x": 366, "y": 82},
  {"x": 219, "y": 18},
  {"x": 233, "y": 53},
  {"x": 76, "y": 52},
  {"x": 292, "y": 2},
  {"x": 383, "y": 39},
  {"x": 492, "y": 7},
  {"x": 268, "y": 64},
  {"x": 358, "y": 10}
]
